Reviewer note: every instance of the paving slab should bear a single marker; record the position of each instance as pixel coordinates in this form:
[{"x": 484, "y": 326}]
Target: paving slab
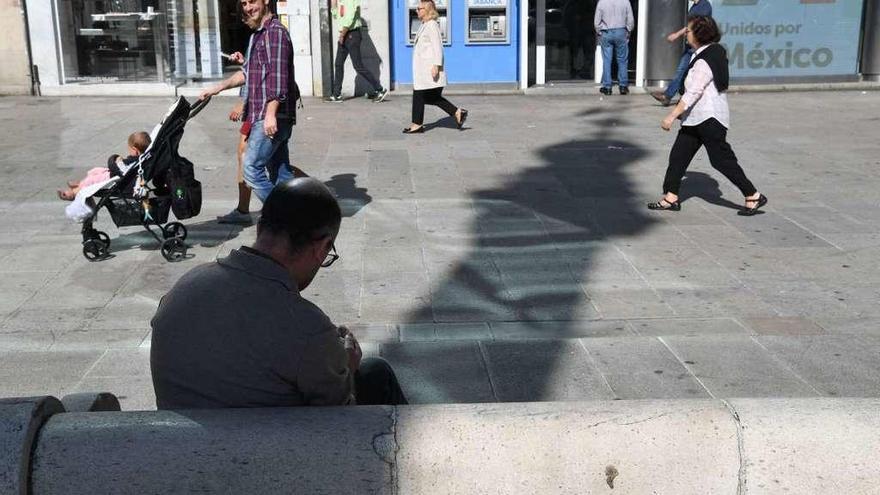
[
  {"x": 835, "y": 365},
  {"x": 642, "y": 368},
  {"x": 543, "y": 370},
  {"x": 440, "y": 372},
  {"x": 688, "y": 326},
  {"x": 732, "y": 366},
  {"x": 560, "y": 330}
]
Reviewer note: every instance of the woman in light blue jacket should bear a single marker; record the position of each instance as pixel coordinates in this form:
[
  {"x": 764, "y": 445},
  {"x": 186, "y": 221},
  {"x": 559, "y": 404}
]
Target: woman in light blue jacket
[{"x": 429, "y": 76}]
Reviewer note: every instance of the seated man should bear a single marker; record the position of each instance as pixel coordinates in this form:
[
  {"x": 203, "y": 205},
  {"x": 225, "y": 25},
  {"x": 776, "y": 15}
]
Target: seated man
[{"x": 237, "y": 332}]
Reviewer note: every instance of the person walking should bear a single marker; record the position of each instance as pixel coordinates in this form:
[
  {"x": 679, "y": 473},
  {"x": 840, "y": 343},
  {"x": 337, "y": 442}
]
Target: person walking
[
  {"x": 240, "y": 215},
  {"x": 429, "y": 76},
  {"x": 614, "y": 22},
  {"x": 705, "y": 119},
  {"x": 698, "y": 8},
  {"x": 271, "y": 98},
  {"x": 348, "y": 12}
]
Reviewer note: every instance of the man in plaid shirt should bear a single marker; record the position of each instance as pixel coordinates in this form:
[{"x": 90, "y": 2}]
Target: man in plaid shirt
[{"x": 271, "y": 98}]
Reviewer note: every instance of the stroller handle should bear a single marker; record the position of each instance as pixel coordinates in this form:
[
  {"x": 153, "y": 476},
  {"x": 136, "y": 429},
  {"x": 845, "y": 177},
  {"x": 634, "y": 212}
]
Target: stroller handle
[{"x": 198, "y": 107}]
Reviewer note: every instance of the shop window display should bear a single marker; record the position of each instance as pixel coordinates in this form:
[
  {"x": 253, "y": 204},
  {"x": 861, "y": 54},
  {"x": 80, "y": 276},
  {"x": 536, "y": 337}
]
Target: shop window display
[{"x": 112, "y": 40}]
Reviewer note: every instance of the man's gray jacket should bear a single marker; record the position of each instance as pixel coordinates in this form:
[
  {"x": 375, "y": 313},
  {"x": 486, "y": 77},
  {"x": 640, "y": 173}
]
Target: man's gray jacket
[{"x": 237, "y": 333}]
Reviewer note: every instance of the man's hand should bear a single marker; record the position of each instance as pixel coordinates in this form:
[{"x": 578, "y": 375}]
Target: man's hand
[
  {"x": 352, "y": 347},
  {"x": 342, "y": 35},
  {"x": 207, "y": 93},
  {"x": 270, "y": 125},
  {"x": 435, "y": 72},
  {"x": 237, "y": 110},
  {"x": 667, "y": 122},
  {"x": 237, "y": 57}
]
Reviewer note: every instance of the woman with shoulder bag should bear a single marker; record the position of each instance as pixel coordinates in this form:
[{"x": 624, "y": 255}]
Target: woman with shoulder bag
[
  {"x": 705, "y": 119},
  {"x": 429, "y": 78}
]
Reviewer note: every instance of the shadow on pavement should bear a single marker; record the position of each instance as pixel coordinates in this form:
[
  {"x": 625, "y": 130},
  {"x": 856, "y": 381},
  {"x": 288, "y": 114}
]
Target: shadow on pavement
[
  {"x": 351, "y": 197},
  {"x": 703, "y": 186},
  {"x": 534, "y": 247}
]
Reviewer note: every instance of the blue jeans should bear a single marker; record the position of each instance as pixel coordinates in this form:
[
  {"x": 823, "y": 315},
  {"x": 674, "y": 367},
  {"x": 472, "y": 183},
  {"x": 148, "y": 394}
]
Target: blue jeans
[
  {"x": 680, "y": 72},
  {"x": 615, "y": 40},
  {"x": 266, "y": 161}
]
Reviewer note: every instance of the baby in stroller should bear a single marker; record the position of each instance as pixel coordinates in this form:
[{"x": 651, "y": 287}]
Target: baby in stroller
[{"x": 138, "y": 142}]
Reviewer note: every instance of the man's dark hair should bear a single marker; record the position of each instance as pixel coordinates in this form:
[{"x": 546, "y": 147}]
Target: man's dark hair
[
  {"x": 303, "y": 209},
  {"x": 273, "y": 8},
  {"x": 704, "y": 29}
]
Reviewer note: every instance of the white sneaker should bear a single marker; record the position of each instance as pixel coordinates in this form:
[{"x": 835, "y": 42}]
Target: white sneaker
[
  {"x": 236, "y": 217},
  {"x": 380, "y": 96}
]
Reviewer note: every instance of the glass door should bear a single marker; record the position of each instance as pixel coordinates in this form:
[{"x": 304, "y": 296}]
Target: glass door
[{"x": 569, "y": 39}]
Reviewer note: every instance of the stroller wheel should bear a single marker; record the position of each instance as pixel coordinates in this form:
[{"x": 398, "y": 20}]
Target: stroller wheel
[
  {"x": 103, "y": 237},
  {"x": 95, "y": 249},
  {"x": 173, "y": 249},
  {"x": 174, "y": 229}
]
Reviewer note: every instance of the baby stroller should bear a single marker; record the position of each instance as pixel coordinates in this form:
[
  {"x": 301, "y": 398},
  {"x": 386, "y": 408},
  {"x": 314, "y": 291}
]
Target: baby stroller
[{"x": 161, "y": 180}]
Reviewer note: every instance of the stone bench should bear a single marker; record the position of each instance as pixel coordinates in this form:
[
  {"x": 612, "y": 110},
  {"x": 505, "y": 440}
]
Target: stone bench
[{"x": 84, "y": 444}]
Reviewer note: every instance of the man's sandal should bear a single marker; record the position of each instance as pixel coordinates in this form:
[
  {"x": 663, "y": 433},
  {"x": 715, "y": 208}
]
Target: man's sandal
[
  {"x": 748, "y": 212},
  {"x": 663, "y": 204}
]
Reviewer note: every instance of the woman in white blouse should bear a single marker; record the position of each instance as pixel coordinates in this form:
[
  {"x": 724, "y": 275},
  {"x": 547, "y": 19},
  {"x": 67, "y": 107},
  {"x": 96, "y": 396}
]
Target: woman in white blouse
[
  {"x": 705, "y": 118},
  {"x": 429, "y": 76}
]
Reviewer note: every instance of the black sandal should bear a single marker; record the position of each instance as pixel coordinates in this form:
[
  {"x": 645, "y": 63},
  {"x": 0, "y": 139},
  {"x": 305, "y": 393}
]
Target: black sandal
[
  {"x": 464, "y": 114},
  {"x": 665, "y": 204},
  {"x": 418, "y": 130},
  {"x": 748, "y": 212}
]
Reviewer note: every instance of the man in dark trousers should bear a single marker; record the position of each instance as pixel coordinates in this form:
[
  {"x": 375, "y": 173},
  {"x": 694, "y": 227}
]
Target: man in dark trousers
[
  {"x": 700, "y": 8},
  {"x": 271, "y": 98},
  {"x": 237, "y": 332},
  {"x": 348, "y": 14}
]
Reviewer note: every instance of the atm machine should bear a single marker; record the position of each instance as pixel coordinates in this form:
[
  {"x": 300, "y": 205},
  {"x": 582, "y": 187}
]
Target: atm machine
[
  {"x": 413, "y": 23},
  {"x": 488, "y": 21}
]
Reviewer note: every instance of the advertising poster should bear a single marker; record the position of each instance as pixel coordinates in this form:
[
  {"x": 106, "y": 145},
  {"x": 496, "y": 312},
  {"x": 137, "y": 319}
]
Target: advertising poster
[{"x": 784, "y": 38}]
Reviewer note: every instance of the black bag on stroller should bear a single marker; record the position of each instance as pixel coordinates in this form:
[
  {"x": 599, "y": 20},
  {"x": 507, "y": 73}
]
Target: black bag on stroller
[{"x": 160, "y": 181}]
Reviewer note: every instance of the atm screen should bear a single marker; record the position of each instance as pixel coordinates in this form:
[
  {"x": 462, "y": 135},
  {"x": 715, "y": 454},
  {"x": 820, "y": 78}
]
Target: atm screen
[
  {"x": 479, "y": 24},
  {"x": 414, "y": 27}
]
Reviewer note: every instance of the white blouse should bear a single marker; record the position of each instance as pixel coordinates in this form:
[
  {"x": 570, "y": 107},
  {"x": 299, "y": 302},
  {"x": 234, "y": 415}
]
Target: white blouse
[{"x": 701, "y": 98}]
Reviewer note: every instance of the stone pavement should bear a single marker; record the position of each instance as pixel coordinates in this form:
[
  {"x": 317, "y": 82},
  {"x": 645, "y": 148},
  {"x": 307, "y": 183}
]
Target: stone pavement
[{"x": 512, "y": 261}]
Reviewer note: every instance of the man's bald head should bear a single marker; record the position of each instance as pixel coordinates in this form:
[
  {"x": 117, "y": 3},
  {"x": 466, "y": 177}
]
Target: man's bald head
[{"x": 303, "y": 210}]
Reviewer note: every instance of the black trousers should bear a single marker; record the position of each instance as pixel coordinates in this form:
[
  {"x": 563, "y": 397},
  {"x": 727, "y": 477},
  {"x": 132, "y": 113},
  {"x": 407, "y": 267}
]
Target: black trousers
[
  {"x": 376, "y": 384},
  {"x": 433, "y": 96},
  {"x": 352, "y": 46},
  {"x": 713, "y": 136}
]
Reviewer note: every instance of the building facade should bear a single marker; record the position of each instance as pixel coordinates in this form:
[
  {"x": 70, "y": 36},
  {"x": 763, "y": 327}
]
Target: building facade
[{"x": 159, "y": 46}]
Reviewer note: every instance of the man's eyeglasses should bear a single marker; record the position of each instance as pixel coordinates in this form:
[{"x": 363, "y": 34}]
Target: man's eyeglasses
[{"x": 332, "y": 256}]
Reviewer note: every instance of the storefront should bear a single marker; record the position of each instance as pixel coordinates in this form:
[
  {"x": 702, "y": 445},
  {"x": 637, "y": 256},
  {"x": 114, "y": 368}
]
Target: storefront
[
  {"x": 143, "y": 47},
  {"x": 767, "y": 40},
  {"x": 162, "y": 42}
]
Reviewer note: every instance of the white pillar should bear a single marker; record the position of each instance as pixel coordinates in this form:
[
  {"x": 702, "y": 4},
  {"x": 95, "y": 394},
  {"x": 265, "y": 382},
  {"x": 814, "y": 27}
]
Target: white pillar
[
  {"x": 524, "y": 44},
  {"x": 299, "y": 22},
  {"x": 641, "y": 43}
]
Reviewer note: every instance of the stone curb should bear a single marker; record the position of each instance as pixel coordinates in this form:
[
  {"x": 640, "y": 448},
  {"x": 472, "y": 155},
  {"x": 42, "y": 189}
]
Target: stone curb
[
  {"x": 20, "y": 421},
  {"x": 731, "y": 446}
]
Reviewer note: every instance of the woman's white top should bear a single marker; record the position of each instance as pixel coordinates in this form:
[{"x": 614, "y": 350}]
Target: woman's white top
[
  {"x": 428, "y": 52},
  {"x": 701, "y": 98}
]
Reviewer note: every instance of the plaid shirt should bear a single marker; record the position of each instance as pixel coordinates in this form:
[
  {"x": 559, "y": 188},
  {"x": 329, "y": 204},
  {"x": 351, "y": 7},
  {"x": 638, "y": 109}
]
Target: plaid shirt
[{"x": 269, "y": 72}]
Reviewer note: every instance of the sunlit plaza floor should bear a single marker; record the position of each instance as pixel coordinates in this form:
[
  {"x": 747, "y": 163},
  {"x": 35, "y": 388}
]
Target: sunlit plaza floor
[{"x": 511, "y": 261}]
